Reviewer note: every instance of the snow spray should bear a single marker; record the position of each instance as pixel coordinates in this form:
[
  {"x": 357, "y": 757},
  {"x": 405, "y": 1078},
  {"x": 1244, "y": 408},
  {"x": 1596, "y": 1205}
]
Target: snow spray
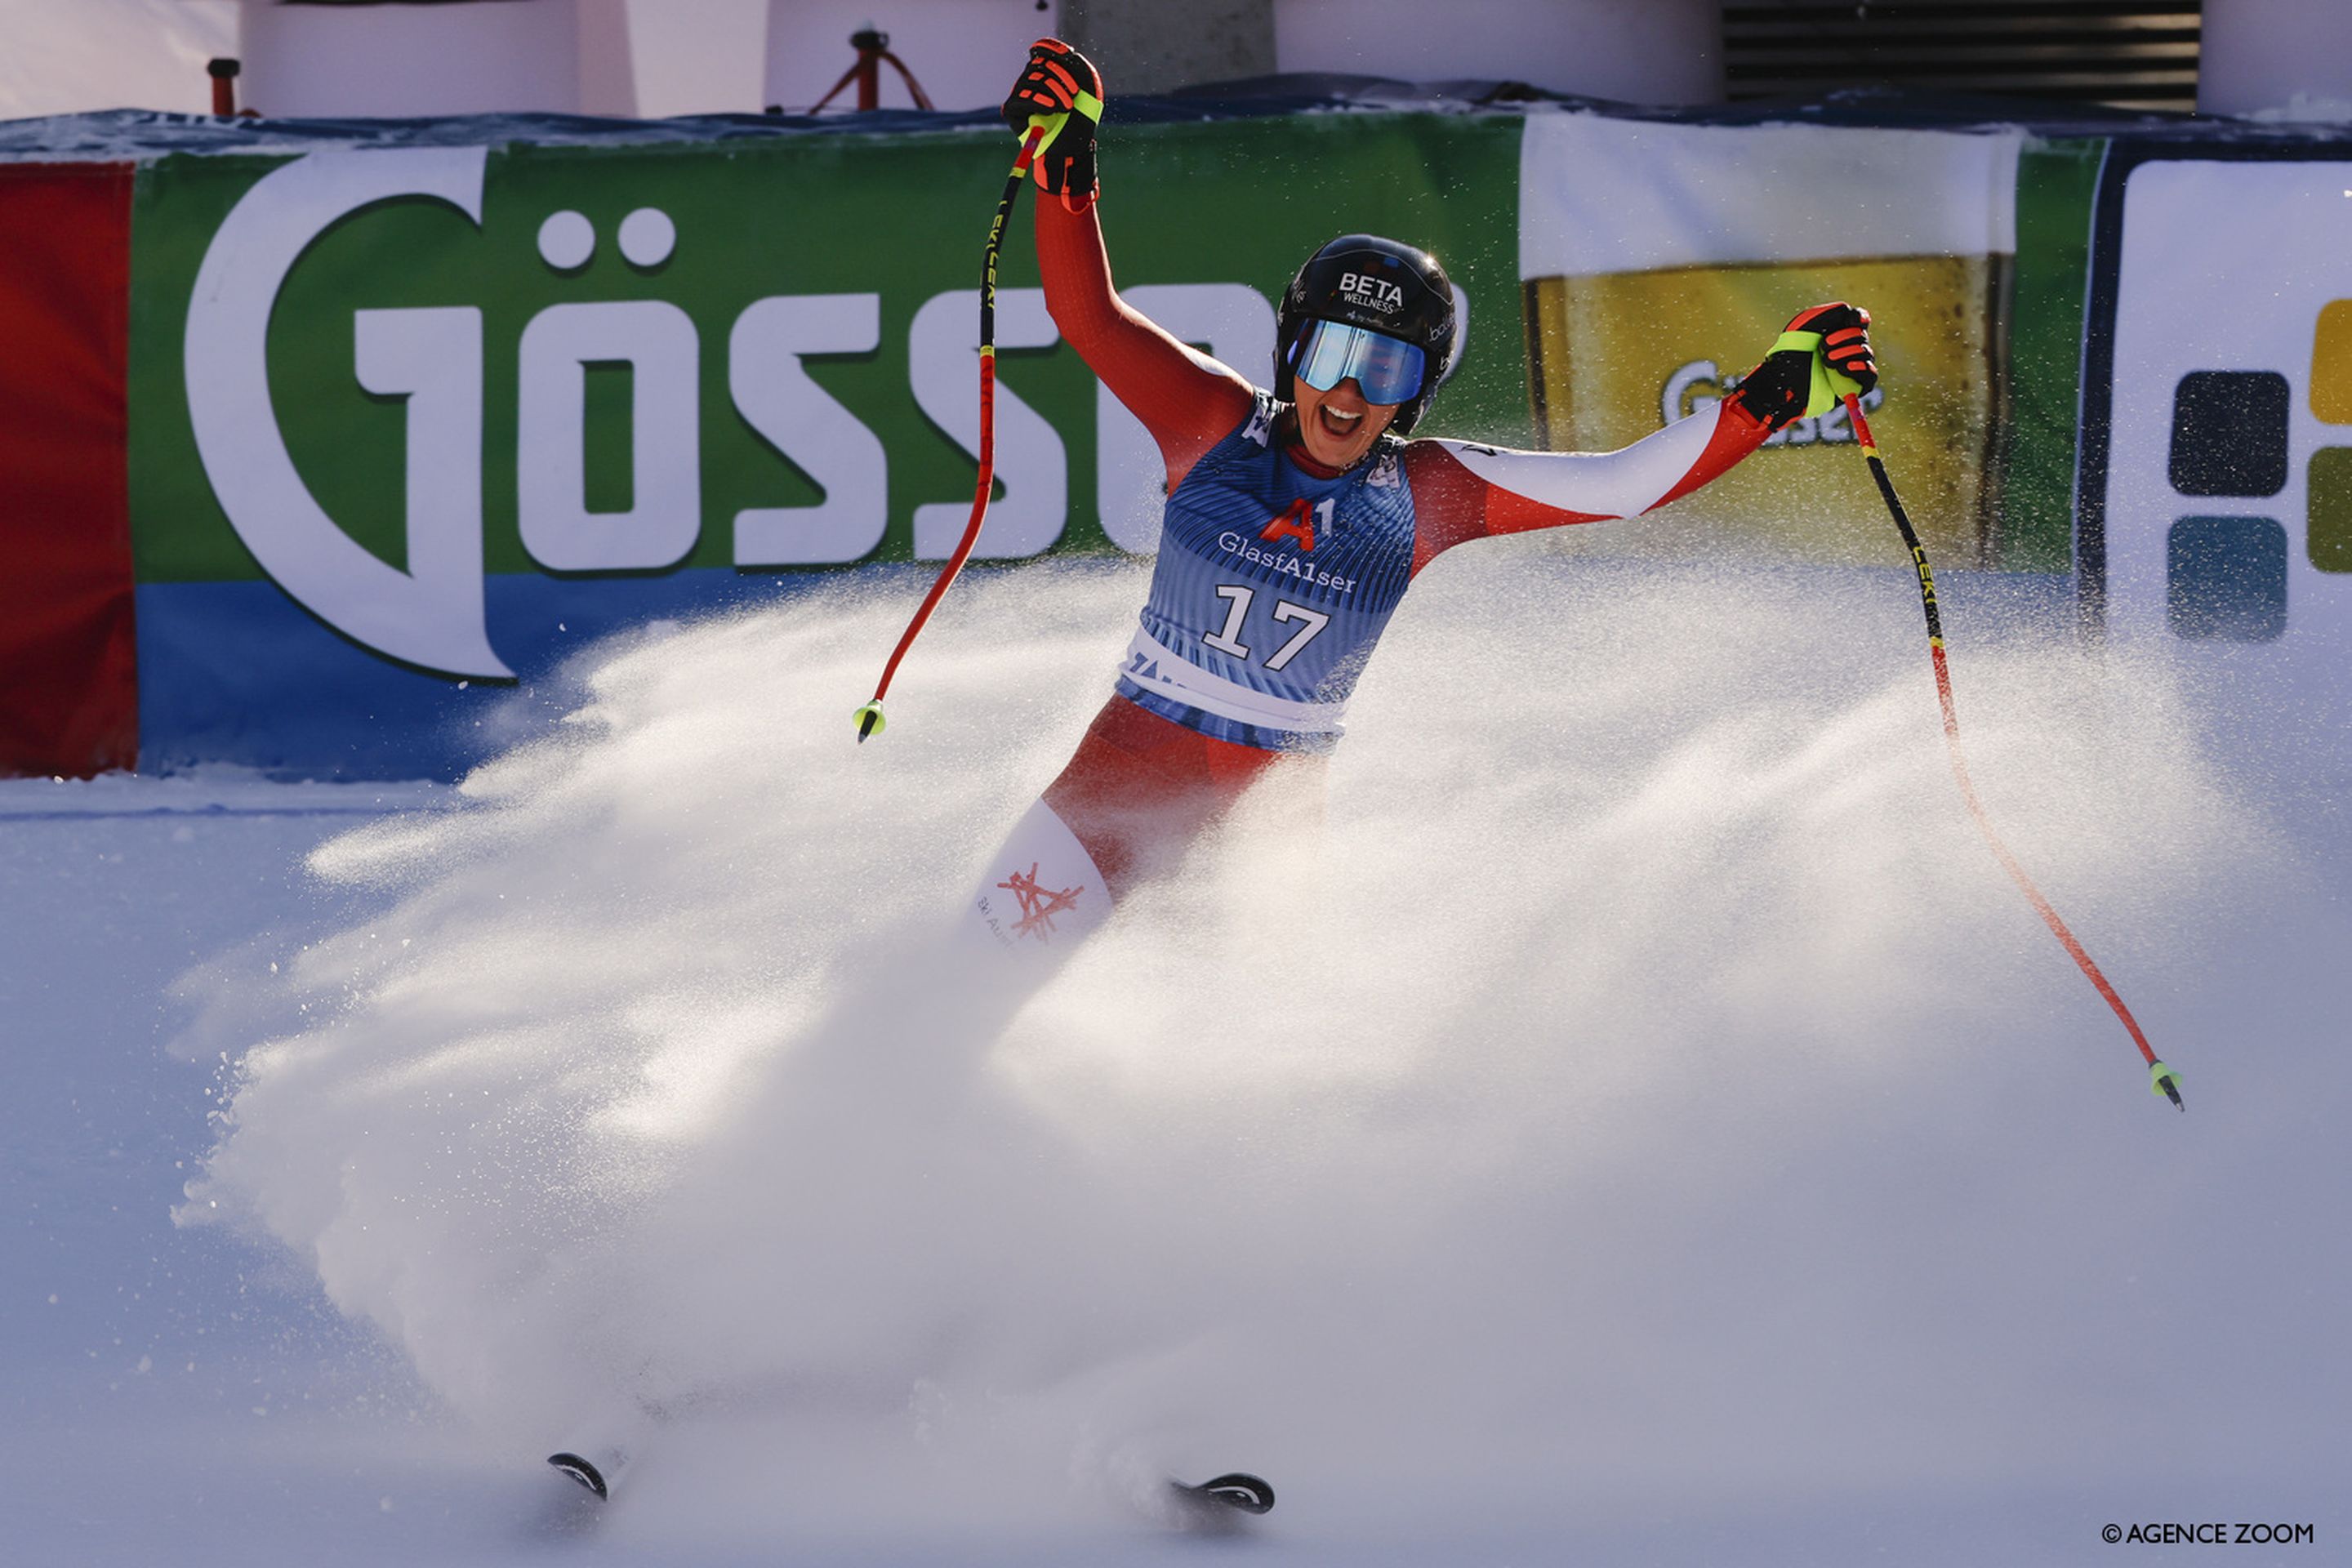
[{"x": 1416, "y": 1132}]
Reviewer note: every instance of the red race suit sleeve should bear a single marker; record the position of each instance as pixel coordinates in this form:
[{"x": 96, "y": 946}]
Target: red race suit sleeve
[
  {"x": 1461, "y": 490},
  {"x": 1188, "y": 401}
]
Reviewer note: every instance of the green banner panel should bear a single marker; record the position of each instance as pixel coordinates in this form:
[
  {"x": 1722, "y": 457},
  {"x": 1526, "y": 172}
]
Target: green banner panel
[
  {"x": 673, "y": 336},
  {"x": 2056, "y": 182}
]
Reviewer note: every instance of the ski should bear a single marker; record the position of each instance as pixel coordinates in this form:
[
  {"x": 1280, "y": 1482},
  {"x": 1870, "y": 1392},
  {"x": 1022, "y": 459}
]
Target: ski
[
  {"x": 600, "y": 1473},
  {"x": 1237, "y": 1492},
  {"x": 1240, "y": 1492}
]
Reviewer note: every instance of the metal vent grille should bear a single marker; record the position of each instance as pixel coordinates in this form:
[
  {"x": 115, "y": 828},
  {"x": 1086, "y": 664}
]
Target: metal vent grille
[{"x": 2129, "y": 54}]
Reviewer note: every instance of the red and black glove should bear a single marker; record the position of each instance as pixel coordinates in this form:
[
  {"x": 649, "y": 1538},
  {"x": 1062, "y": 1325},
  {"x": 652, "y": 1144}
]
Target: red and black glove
[
  {"x": 1820, "y": 357},
  {"x": 1061, "y": 86},
  {"x": 1846, "y": 344}
]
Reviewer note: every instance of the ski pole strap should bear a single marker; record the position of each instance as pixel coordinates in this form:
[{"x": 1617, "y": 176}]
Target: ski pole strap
[
  {"x": 869, "y": 716},
  {"x": 2162, "y": 1079}
]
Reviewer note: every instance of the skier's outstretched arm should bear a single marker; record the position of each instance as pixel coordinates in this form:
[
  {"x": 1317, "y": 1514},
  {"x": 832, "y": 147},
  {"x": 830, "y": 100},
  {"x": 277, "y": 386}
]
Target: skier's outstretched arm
[
  {"x": 1464, "y": 491},
  {"x": 1188, "y": 401}
]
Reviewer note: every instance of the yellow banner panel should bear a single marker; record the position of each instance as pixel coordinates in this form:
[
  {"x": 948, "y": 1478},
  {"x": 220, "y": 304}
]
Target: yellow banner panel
[{"x": 1620, "y": 355}]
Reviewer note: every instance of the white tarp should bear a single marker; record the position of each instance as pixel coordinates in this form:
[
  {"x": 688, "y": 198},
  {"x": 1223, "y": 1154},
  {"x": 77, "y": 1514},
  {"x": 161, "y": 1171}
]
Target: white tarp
[
  {"x": 966, "y": 53},
  {"x": 1601, "y": 196},
  {"x": 409, "y": 61},
  {"x": 69, "y": 57}
]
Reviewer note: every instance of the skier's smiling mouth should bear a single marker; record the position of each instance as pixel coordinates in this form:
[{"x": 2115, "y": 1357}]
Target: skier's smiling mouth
[{"x": 1338, "y": 428}]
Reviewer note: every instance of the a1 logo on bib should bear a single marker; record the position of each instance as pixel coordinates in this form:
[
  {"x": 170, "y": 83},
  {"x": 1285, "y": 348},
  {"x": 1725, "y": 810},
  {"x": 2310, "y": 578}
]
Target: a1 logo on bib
[
  {"x": 1296, "y": 525},
  {"x": 1367, "y": 292}
]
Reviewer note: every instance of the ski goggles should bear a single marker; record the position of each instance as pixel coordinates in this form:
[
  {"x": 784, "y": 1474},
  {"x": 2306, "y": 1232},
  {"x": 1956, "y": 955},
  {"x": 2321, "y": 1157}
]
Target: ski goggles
[{"x": 1329, "y": 352}]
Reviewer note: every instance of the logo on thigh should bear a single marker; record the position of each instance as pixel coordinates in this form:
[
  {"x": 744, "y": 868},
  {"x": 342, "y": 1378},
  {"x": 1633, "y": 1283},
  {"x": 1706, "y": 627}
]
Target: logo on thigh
[{"x": 1038, "y": 905}]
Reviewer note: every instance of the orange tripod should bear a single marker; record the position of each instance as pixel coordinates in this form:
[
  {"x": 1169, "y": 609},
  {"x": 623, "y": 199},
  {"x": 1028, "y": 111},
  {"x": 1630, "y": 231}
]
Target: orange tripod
[{"x": 873, "y": 48}]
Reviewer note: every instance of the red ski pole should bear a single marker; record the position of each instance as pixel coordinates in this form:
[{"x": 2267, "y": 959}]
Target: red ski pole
[
  {"x": 2162, "y": 1080},
  {"x": 869, "y": 714}
]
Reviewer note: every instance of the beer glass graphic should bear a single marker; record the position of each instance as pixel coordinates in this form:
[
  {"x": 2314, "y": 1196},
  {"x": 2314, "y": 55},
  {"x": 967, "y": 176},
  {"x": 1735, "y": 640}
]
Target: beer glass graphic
[{"x": 1660, "y": 259}]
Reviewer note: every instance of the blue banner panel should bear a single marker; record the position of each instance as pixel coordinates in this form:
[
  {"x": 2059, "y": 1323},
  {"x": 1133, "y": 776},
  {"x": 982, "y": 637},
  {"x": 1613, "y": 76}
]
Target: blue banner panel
[{"x": 239, "y": 673}]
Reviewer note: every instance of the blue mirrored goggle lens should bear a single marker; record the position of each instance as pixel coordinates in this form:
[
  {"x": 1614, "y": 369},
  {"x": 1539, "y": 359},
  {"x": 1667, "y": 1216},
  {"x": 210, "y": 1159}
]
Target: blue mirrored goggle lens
[{"x": 1329, "y": 352}]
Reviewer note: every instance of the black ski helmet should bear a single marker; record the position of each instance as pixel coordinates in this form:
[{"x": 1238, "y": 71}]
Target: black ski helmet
[{"x": 1364, "y": 280}]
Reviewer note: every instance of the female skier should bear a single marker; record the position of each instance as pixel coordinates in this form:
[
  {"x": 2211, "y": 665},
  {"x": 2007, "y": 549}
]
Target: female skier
[{"x": 1296, "y": 518}]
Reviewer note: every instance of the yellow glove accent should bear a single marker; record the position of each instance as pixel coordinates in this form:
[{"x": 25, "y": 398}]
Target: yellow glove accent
[
  {"x": 1089, "y": 106},
  {"x": 1828, "y": 386}
]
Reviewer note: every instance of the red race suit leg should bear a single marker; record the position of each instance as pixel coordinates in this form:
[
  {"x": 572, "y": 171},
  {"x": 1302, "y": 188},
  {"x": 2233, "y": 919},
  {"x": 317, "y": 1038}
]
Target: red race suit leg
[{"x": 1139, "y": 791}]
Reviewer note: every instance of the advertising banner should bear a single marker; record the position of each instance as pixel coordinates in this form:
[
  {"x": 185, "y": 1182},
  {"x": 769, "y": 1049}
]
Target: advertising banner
[
  {"x": 68, "y": 678},
  {"x": 2220, "y": 512},
  {"x": 407, "y": 424},
  {"x": 1662, "y": 258},
  {"x": 364, "y": 432}
]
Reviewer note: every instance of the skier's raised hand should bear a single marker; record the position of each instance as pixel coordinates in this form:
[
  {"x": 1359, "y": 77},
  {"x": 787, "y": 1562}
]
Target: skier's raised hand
[
  {"x": 1822, "y": 355},
  {"x": 1844, "y": 333},
  {"x": 1061, "y": 87}
]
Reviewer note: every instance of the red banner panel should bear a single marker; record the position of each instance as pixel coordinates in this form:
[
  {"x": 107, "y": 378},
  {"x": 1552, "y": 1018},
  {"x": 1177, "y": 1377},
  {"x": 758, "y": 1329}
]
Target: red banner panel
[{"x": 68, "y": 677}]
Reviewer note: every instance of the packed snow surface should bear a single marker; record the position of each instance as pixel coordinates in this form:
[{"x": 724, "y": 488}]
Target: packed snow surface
[{"x": 1631, "y": 1118}]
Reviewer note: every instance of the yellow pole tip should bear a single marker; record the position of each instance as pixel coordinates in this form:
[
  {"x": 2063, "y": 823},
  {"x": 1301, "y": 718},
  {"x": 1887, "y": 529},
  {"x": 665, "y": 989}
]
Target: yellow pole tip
[{"x": 869, "y": 719}]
